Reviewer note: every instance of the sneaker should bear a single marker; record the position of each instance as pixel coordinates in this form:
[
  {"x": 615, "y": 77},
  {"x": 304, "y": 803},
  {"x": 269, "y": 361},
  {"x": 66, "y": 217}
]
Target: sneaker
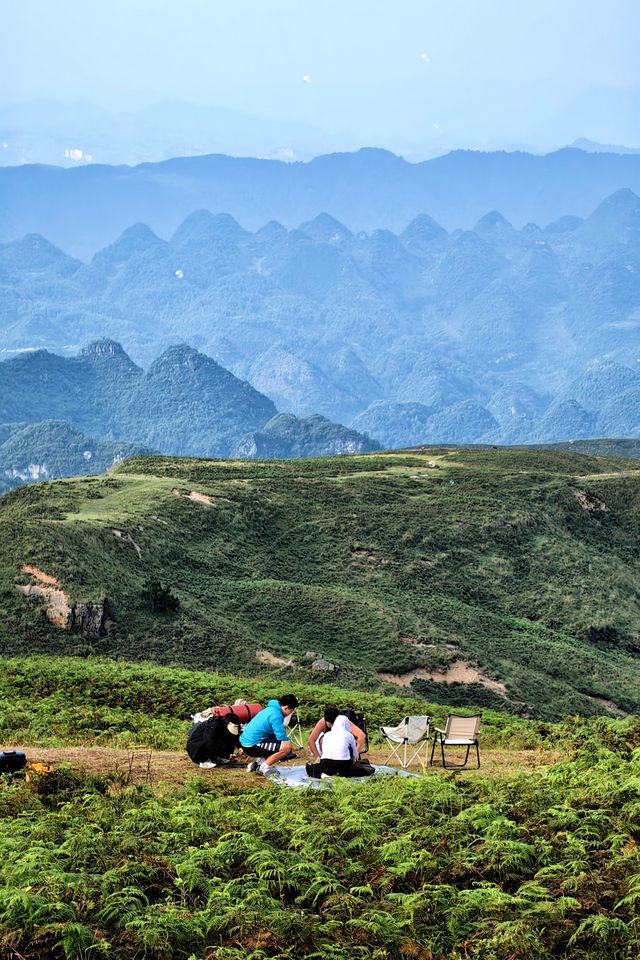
[
  {"x": 271, "y": 773},
  {"x": 207, "y": 765},
  {"x": 264, "y": 768},
  {"x": 252, "y": 766},
  {"x": 326, "y": 776}
]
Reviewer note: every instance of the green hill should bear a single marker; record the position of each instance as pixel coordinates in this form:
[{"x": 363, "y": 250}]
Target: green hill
[{"x": 510, "y": 573}]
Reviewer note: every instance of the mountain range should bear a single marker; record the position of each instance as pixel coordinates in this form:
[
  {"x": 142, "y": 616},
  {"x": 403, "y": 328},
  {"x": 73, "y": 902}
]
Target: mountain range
[
  {"x": 495, "y": 335},
  {"x": 83, "y": 209},
  {"x": 63, "y": 416}
]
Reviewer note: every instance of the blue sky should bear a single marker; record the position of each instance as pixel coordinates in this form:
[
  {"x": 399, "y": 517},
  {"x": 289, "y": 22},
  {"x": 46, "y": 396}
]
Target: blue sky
[{"x": 404, "y": 74}]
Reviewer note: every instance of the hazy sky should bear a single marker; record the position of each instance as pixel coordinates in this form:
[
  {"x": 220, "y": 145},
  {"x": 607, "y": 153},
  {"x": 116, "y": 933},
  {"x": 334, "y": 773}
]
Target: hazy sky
[{"x": 398, "y": 74}]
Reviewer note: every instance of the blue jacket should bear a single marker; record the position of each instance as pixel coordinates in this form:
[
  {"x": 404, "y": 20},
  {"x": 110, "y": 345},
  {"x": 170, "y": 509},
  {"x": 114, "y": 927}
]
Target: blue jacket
[{"x": 266, "y": 725}]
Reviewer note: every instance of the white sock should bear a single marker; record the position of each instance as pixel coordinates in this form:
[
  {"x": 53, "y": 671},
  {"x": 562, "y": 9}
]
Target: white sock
[{"x": 264, "y": 766}]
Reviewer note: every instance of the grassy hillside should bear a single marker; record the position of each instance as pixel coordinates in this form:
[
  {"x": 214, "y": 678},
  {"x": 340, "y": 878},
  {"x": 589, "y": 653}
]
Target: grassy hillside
[
  {"x": 59, "y": 701},
  {"x": 523, "y": 865},
  {"x": 520, "y": 564}
]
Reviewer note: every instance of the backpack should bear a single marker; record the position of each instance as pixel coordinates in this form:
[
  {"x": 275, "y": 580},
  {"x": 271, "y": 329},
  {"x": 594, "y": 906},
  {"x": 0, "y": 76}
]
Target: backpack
[
  {"x": 211, "y": 739},
  {"x": 12, "y": 760}
]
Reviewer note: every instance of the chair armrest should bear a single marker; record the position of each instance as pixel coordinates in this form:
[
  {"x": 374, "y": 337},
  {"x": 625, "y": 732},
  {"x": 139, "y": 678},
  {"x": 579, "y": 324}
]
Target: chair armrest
[{"x": 438, "y": 730}]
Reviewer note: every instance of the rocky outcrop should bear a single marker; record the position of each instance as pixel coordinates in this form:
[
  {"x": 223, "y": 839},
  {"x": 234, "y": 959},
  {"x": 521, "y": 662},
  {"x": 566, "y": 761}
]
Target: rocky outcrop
[
  {"x": 323, "y": 666},
  {"x": 87, "y": 619}
]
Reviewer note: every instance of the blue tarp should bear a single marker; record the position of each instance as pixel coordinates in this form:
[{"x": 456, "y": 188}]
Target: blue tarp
[{"x": 297, "y": 777}]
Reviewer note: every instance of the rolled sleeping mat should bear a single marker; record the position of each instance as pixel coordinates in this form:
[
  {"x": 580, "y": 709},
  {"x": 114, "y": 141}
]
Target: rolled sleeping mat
[{"x": 243, "y": 711}]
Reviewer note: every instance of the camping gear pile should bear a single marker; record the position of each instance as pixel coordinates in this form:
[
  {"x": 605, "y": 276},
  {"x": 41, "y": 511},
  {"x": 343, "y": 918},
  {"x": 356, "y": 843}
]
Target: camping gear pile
[{"x": 215, "y": 734}]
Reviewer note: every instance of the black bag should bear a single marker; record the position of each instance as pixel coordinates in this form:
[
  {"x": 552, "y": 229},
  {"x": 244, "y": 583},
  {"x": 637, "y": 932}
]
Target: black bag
[
  {"x": 211, "y": 739},
  {"x": 11, "y": 761},
  {"x": 358, "y": 717}
]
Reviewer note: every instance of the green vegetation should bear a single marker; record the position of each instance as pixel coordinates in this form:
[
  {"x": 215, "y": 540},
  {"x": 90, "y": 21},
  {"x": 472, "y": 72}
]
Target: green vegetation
[
  {"x": 440, "y": 867},
  {"x": 523, "y": 562},
  {"x": 57, "y": 701}
]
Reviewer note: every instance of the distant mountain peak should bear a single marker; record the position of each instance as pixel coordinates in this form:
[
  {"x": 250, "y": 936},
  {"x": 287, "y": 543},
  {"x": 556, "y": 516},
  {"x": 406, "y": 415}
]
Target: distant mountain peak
[
  {"x": 272, "y": 230},
  {"x": 132, "y": 241},
  {"x": 370, "y": 155},
  {"x": 179, "y": 353},
  {"x": 492, "y": 222},
  {"x": 203, "y": 225},
  {"x": 35, "y": 252},
  {"x": 35, "y": 241},
  {"x": 622, "y": 203},
  {"x": 593, "y": 146},
  {"x": 138, "y": 233},
  {"x": 422, "y": 230},
  {"x": 325, "y": 228},
  {"x": 615, "y": 221},
  {"x": 104, "y": 349}
]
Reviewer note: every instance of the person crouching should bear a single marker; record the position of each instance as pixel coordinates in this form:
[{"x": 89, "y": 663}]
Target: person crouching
[{"x": 265, "y": 737}]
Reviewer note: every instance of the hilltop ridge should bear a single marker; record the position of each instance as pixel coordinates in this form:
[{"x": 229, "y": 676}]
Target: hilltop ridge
[
  {"x": 365, "y": 189},
  {"x": 495, "y": 577}
]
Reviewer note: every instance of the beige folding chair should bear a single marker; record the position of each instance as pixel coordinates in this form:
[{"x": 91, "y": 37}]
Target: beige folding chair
[
  {"x": 407, "y": 739},
  {"x": 458, "y": 732}
]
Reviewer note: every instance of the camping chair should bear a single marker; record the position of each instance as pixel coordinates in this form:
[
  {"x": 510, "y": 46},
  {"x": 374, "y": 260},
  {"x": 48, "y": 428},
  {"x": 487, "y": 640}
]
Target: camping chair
[
  {"x": 458, "y": 732},
  {"x": 407, "y": 739},
  {"x": 294, "y": 730}
]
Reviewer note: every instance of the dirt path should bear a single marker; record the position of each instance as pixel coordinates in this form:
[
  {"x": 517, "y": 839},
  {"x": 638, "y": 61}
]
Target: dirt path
[{"x": 155, "y": 767}]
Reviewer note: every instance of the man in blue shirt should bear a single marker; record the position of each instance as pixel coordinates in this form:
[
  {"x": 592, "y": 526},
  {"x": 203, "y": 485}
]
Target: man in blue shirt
[{"x": 265, "y": 737}]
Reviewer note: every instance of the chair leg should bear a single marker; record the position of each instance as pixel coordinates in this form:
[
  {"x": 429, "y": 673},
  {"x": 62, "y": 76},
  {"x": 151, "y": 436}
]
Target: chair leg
[
  {"x": 478, "y": 754},
  {"x": 459, "y": 766},
  {"x": 433, "y": 749}
]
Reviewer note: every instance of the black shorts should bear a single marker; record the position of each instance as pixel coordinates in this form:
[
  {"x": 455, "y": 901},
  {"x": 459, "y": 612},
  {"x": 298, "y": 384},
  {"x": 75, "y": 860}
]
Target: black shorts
[
  {"x": 266, "y": 748},
  {"x": 340, "y": 768}
]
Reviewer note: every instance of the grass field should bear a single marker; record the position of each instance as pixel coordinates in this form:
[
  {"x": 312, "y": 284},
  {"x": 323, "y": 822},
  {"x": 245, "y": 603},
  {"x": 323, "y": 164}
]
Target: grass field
[{"x": 520, "y": 566}]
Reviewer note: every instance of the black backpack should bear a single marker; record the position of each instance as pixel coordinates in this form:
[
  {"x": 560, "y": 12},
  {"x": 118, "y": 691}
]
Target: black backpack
[
  {"x": 11, "y": 761},
  {"x": 211, "y": 739}
]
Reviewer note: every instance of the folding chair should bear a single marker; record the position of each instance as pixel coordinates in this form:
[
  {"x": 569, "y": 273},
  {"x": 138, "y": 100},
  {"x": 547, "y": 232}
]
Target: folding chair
[
  {"x": 293, "y": 728},
  {"x": 458, "y": 732},
  {"x": 407, "y": 739}
]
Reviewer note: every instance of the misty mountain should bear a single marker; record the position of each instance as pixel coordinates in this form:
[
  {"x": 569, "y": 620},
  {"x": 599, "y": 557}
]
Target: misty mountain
[
  {"x": 592, "y": 146},
  {"x": 53, "y": 448},
  {"x": 287, "y": 436},
  {"x": 61, "y": 416},
  {"x": 494, "y": 334},
  {"x": 83, "y": 209},
  {"x": 44, "y": 131}
]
